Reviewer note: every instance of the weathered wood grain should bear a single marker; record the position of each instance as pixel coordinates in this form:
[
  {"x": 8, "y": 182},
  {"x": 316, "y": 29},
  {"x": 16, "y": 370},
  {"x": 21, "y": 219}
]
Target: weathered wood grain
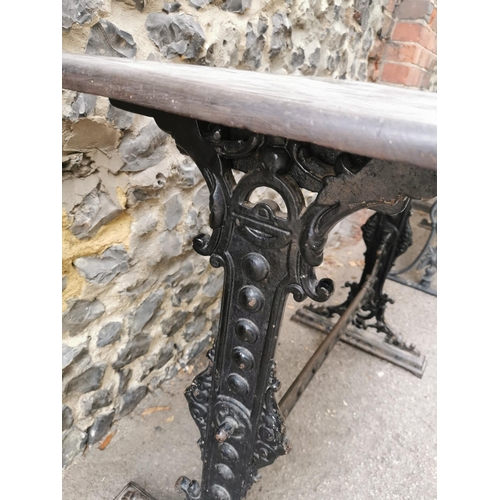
[{"x": 369, "y": 119}]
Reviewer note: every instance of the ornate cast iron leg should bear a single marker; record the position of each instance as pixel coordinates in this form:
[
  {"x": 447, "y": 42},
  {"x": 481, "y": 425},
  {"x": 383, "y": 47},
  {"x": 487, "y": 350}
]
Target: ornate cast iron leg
[
  {"x": 379, "y": 228},
  {"x": 266, "y": 254}
]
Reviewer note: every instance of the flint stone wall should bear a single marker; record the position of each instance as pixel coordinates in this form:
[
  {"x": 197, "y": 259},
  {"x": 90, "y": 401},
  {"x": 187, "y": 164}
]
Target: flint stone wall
[{"x": 138, "y": 303}]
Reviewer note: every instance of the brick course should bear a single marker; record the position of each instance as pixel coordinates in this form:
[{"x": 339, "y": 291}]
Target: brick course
[
  {"x": 426, "y": 59},
  {"x": 402, "y": 74},
  {"x": 403, "y": 53},
  {"x": 415, "y": 32}
]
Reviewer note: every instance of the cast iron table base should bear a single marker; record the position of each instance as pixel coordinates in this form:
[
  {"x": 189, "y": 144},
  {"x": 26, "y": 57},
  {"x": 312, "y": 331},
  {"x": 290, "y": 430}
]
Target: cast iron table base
[
  {"x": 267, "y": 253},
  {"x": 368, "y": 330}
]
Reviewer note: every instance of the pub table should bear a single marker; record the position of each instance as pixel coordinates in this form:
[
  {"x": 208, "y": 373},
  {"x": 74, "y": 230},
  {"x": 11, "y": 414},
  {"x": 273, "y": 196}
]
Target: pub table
[{"x": 356, "y": 145}]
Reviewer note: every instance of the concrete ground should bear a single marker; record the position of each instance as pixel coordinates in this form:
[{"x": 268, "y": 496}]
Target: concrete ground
[{"x": 363, "y": 429}]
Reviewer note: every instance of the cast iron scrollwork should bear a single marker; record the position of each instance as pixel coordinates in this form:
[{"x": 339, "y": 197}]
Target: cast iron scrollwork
[
  {"x": 198, "y": 396},
  {"x": 271, "y": 440}
]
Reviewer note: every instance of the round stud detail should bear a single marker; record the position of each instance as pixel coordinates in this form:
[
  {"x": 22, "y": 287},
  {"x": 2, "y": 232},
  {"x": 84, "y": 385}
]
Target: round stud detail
[
  {"x": 243, "y": 358},
  {"x": 224, "y": 472},
  {"x": 228, "y": 453},
  {"x": 274, "y": 159},
  {"x": 247, "y": 331},
  {"x": 251, "y": 298},
  {"x": 220, "y": 493},
  {"x": 237, "y": 384},
  {"x": 255, "y": 266}
]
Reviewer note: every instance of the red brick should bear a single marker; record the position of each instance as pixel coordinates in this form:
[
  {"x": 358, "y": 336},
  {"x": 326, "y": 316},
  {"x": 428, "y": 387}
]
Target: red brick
[
  {"x": 426, "y": 59},
  {"x": 416, "y": 33},
  {"x": 402, "y": 74},
  {"x": 433, "y": 21},
  {"x": 407, "y": 32},
  {"x": 432, "y": 42},
  {"x": 403, "y": 52}
]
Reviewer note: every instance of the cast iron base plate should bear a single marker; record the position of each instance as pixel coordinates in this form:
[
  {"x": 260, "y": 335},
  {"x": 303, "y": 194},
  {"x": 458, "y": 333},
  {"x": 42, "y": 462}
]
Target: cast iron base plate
[{"x": 367, "y": 341}]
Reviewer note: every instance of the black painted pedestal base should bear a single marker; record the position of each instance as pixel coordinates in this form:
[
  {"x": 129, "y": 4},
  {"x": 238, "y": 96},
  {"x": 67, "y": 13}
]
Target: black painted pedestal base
[{"x": 269, "y": 246}]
